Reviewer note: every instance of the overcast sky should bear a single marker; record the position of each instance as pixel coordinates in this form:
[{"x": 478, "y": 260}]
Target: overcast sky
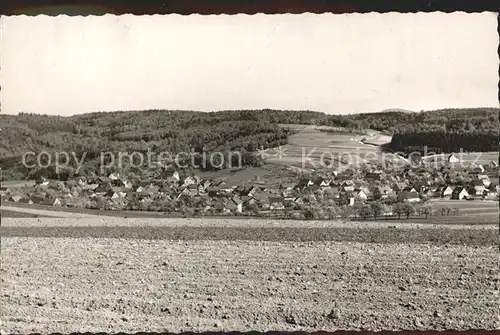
[{"x": 329, "y": 63}]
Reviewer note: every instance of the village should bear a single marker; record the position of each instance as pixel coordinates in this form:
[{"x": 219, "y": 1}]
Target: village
[{"x": 365, "y": 192}]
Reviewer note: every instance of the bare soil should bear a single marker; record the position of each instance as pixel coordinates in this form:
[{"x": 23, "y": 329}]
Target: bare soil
[
  {"x": 103, "y": 274},
  {"x": 129, "y": 285}
]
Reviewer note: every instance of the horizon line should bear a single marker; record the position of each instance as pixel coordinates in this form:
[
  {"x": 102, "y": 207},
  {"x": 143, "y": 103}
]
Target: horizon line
[{"x": 387, "y": 110}]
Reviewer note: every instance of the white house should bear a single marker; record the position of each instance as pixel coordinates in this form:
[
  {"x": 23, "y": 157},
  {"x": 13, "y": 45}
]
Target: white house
[
  {"x": 447, "y": 192},
  {"x": 114, "y": 176},
  {"x": 361, "y": 195},
  {"x": 460, "y": 193},
  {"x": 453, "y": 159}
]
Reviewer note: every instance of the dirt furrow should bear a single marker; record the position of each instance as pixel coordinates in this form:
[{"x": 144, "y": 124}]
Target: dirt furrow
[{"x": 55, "y": 285}]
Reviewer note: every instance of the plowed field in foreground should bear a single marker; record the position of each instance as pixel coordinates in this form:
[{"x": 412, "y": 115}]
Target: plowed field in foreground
[{"x": 81, "y": 283}]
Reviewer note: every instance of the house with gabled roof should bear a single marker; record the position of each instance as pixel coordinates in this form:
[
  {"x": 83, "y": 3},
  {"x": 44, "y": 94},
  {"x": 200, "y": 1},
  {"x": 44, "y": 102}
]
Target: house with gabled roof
[
  {"x": 234, "y": 205},
  {"x": 452, "y": 159},
  {"x": 478, "y": 186},
  {"x": 360, "y": 194},
  {"x": 445, "y": 191},
  {"x": 460, "y": 193}
]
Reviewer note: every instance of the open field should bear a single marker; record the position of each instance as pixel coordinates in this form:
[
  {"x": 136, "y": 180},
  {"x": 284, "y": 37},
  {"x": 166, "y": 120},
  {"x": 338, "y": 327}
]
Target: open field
[
  {"x": 17, "y": 183},
  {"x": 128, "y": 285},
  {"x": 7, "y": 213},
  {"x": 471, "y": 212},
  {"x": 244, "y": 174},
  {"x": 378, "y": 139},
  {"x": 310, "y": 147}
]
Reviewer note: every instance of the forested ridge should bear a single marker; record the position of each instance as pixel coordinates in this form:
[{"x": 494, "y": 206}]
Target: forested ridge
[
  {"x": 243, "y": 130},
  {"x": 448, "y": 130}
]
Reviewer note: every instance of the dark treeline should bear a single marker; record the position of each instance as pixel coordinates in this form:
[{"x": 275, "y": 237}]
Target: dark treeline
[
  {"x": 448, "y": 131},
  {"x": 444, "y": 142},
  {"x": 241, "y": 130}
]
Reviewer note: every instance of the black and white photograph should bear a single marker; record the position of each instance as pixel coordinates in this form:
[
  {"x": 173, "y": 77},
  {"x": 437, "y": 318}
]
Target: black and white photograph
[{"x": 216, "y": 173}]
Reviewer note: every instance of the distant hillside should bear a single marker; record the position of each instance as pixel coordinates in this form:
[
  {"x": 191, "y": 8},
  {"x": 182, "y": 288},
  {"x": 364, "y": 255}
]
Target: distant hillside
[
  {"x": 397, "y": 110},
  {"x": 242, "y": 130}
]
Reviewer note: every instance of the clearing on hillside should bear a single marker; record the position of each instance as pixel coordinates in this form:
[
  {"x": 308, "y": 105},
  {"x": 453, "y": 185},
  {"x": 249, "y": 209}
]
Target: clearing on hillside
[{"x": 312, "y": 148}]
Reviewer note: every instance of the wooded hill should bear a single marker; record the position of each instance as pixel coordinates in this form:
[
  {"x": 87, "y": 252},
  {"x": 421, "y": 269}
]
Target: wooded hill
[{"x": 242, "y": 130}]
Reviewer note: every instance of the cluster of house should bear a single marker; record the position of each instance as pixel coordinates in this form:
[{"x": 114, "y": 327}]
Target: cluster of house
[{"x": 342, "y": 189}]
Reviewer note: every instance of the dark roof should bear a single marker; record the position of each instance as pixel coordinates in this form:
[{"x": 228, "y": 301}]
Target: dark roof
[
  {"x": 304, "y": 181},
  {"x": 477, "y": 182}
]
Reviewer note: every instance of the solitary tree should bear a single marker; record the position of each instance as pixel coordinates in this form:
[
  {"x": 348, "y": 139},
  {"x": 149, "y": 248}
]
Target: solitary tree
[
  {"x": 408, "y": 209},
  {"x": 377, "y": 209},
  {"x": 398, "y": 210},
  {"x": 426, "y": 210},
  {"x": 365, "y": 212}
]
